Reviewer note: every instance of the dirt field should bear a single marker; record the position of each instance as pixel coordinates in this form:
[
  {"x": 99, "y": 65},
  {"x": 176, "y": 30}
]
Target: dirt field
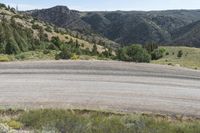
[{"x": 103, "y": 85}]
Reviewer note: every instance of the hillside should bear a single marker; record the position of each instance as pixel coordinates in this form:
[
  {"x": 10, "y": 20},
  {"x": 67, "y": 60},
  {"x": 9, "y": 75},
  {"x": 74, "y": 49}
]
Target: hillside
[
  {"x": 62, "y": 16},
  {"x": 21, "y": 33},
  {"x": 188, "y": 35},
  {"x": 163, "y": 27},
  {"x": 190, "y": 57}
]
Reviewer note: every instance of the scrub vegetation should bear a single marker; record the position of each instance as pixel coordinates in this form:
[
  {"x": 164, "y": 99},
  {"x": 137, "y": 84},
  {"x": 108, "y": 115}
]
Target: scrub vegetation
[{"x": 85, "y": 121}]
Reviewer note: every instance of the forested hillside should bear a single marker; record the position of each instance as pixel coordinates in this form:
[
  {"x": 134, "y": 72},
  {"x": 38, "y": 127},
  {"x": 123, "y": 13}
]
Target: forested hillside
[
  {"x": 21, "y": 33},
  {"x": 162, "y": 27}
]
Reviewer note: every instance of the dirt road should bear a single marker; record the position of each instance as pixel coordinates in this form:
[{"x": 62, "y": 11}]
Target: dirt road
[{"x": 104, "y": 85}]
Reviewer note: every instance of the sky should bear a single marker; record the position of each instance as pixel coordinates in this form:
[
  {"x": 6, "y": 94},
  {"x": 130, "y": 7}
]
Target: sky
[{"x": 106, "y": 5}]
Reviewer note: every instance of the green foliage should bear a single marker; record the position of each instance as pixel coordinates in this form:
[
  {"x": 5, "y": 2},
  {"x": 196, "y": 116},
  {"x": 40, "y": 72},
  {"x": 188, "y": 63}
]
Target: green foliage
[
  {"x": 43, "y": 36},
  {"x": 94, "y": 50},
  {"x": 48, "y": 29},
  {"x": 36, "y": 26},
  {"x": 151, "y": 47},
  {"x": 74, "y": 57},
  {"x": 14, "y": 38},
  {"x": 11, "y": 47},
  {"x": 13, "y": 10},
  {"x": 46, "y": 51},
  {"x": 2, "y": 48},
  {"x": 2, "y": 5},
  {"x": 51, "y": 46},
  {"x": 36, "y": 55},
  {"x": 157, "y": 54},
  {"x": 4, "y": 58},
  {"x": 56, "y": 41},
  {"x": 189, "y": 59},
  {"x": 64, "y": 54},
  {"x": 17, "y": 16},
  {"x": 107, "y": 53},
  {"x": 14, "y": 124},
  {"x": 78, "y": 121},
  {"x": 134, "y": 53},
  {"x": 17, "y": 40},
  {"x": 180, "y": 54}
]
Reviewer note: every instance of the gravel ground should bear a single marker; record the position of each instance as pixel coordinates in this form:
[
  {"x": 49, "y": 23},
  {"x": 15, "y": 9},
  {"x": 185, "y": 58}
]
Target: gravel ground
[{"x": 102, "y": 85}]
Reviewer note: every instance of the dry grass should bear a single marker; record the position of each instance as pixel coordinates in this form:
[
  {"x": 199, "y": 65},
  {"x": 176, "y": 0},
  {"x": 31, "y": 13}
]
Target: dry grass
[
  {"x": 85, "y": 121},
  {"x": 189, "y": 59}
]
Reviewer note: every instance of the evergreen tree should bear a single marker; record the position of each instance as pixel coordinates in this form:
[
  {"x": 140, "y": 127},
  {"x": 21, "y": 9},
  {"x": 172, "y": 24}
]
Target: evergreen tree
[
  {"x": 12, "y": 47},
  {"x": 94, "y": 50}
]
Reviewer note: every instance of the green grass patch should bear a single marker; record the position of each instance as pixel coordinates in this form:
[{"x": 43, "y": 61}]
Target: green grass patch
[
  {"x": 85, "y": 121},
  {"x": 4, "y": 58},
  {"x": 36, "y": 55},
  {"x": 30, "y": 55},
  {"x": 14, "y": 124},
  {"x": 190, "y": 57}
]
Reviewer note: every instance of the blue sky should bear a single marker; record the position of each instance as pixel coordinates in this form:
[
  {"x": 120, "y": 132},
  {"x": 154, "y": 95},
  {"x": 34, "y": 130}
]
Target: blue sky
[{"x": 106, "y": 5}]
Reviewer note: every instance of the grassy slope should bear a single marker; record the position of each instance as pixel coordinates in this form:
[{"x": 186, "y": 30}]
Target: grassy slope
[
  {"x": 28, "y": 22},
  {"x": 41, "y": 55},
  {"x": 83, "y": 121},
  {"x": 190, "y": 58}
]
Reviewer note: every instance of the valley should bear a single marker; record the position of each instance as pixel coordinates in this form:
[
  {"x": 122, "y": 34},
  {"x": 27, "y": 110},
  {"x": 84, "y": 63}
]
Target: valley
[{"x": 69, "y": 71}]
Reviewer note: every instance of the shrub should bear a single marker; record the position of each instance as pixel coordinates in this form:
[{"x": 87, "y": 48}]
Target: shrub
[
  {"x": 157, "y": 54},
  {"x": 134, "y": 53},
  {"x": 151, "y": 47},
  {"x": 48, "y": 29},
  {"x": 20, "y": 56},
  {"x": 66, "y": 37},
  {"x": 46, "y": 51},
  {"x": 64, "y": 54},
  {"x": 11, "y": 47},
  {"x": 14, "y": 124},
  {"x": 56, "y": 41},
  {"x": 94, "y": 50},
  {"x": 4, "y": 58},
  {"x": 180, "y": 54},
  {"x": 2, "y": 5},
  {"x": 36, "y": 26},
  {"x": 100, "y": 122},
  {"x": 74, "y": 57},
  {"x": 52, "y": 47},
  {"x": 17, "y": 16}
]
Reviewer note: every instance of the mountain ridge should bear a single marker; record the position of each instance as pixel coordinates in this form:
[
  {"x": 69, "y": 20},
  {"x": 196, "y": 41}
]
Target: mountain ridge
[
  {"x": 124, "y": 27},
  {"x": 162, "y": 24}
]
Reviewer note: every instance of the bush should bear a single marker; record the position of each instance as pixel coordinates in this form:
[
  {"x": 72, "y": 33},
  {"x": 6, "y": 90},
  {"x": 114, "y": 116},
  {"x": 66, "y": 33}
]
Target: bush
[
  {"x": 56, "y": 41},
  {"x": 11, "y": 47},
  {"x": 48, "y": 29},
  {"x": 157, "y": 54},
  {"x": 52, "y": 47},
  {"x": 2, "y": 5},
  {"x": 180, "y": 54},
  {"x": 151, "y": 47},
  {"x": 64, "y": 54},
  {"x": 36, "y": 26},
  {"x": 4, "y": 58},
  {"x": 46, "y": 51},
  {"x": 20, "y": 56},
  {"x": 76, "y": 121},
  {"x": 134, "y": 53},
  {"x": 94, "y": 50},
  {"x": 74, "y": 57},
  {"x": 14, "y": 124}
]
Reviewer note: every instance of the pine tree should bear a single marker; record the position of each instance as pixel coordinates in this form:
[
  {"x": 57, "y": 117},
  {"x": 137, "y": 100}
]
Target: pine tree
[{"x": 94, "y": 50}]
